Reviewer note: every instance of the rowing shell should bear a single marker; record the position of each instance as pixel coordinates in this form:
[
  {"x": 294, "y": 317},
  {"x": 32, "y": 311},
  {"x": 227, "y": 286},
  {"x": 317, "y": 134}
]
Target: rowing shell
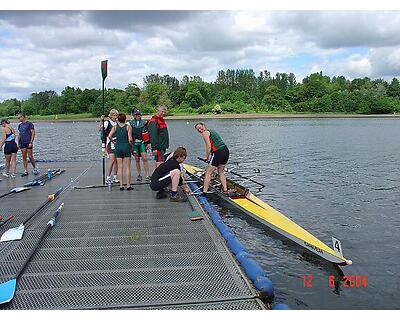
[{"x": 259, "y": 210}]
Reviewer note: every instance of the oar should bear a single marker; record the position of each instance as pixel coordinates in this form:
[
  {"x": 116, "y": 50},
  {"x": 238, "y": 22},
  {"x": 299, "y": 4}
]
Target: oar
[
  {"x": 7, "y": 289},
  {"x": 17, "y": 233},
  {"x": 239, "y": 175},
  {"x": 14, "y": 190},
  {"x": 9, "y": 218},
  {"x": 43, "y": 178}
]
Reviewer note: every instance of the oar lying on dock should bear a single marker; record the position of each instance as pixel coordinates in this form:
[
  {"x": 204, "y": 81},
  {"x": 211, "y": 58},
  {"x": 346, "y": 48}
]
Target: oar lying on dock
[
  {"x": 43, "y": 178},
  {"x": 7, "y": 289},
  {"x": 14, "y": 190},
  {"x": 17, "y": 233}
]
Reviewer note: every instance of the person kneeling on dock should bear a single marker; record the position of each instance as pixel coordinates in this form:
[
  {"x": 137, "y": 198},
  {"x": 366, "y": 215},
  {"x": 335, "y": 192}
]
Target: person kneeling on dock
[{"x": 170, "y": 174}]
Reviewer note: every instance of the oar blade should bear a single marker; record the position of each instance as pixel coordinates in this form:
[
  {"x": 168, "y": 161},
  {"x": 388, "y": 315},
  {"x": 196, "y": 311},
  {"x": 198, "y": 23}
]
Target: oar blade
[
  {"x": 13, "y": 234},
  {"x": 7, "y": 290},
  {"x": 20, "y": 189}
]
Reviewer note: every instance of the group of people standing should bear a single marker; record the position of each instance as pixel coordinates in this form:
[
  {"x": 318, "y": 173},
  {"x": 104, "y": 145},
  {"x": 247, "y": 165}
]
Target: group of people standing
[
  {"x": 22, "y": 141},
  {"x": 136, "y": 137}
]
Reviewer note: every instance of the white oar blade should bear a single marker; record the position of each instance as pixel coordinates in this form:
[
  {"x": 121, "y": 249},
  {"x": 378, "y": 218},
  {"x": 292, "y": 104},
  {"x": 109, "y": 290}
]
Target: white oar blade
[
  {"x": 20, "y": 189},
  {"x": 7, "y": 291},
  {"x": 13, "y": 234}
]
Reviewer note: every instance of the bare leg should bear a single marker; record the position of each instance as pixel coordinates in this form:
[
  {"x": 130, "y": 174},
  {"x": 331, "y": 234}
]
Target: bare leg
[
  {"x": 137, "y": 160},
  {"x": 207, "y": 177},
  {"x": 119, "y": 163},
  {"x": 111, "y": 164},
  {"x": 127, "y": 162},
  {"x": 30, "y": 154},
  {"x": 175, "y": 175},
  {"x": 13, "y": 163},
  {"x": 222, "y": 177},
  {"x": 24, "y": 158},
  {"x": 8, "y": 160},
  {"x": 145, "y": 164}
]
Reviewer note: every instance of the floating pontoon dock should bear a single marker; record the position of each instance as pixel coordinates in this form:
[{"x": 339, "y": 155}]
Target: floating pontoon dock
[{"x": 118, "y": 249}]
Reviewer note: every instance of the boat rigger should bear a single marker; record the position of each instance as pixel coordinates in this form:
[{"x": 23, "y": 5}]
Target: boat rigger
[{"x": 247, "y": 202}]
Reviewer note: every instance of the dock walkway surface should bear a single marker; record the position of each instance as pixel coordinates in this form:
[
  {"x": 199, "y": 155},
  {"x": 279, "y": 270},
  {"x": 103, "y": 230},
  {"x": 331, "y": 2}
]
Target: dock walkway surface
[{"x": 116, "y": 249}]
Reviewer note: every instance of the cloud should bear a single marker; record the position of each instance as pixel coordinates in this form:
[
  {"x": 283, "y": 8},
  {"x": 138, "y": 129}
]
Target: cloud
[{"x": 48, "y": 50}]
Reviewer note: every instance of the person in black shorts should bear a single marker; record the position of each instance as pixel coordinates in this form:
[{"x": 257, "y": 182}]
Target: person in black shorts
[
  {"x": 170, "y": 174},
  {"x": 217, "y": 156},
  {"x": 26, "y": 136},
  {"x": 10, "y": 148}
]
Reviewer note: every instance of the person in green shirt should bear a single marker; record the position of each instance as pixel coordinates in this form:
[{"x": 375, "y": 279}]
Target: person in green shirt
[
  {"x": 217, "y": 156},
  {"x": 139, "y": 146},
  {"x": 123, "y": 134}
]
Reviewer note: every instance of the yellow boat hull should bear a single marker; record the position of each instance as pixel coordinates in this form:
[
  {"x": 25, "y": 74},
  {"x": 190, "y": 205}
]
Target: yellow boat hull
[{"x": 278, "y": 222}]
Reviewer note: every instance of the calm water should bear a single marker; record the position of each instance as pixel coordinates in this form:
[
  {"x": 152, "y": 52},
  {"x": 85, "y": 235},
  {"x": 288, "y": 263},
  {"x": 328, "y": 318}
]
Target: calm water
[{"x": 334, "y": 177}]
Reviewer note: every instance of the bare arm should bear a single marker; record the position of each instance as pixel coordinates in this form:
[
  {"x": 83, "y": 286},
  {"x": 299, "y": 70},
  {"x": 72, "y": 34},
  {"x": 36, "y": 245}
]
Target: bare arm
[
  {"x": 206, "y": 138},
  {"x": 33, "y": 136},
  {"x": 3, "y": 138},
  {"x": 130, "y": 139},
  {"x": 110, "y": 136},
  {"x": 100, "y": 128}
]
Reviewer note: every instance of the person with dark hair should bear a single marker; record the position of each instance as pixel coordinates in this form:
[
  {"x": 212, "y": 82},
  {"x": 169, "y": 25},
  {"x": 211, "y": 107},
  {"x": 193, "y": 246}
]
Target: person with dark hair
[
  {"x": 217, "y": 156},
  {"x": 26, "y": 136},
  {"x": 139, "y": 146},
  {"x": 10, "y": 148},
  {"x": 159, "y": 137},
  {"x": 170, "y": 174},
  {"x": 108, "y": 125},
  {"x": 123, "y": 141}
]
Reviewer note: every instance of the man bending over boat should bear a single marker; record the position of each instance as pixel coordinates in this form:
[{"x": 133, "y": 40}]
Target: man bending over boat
[
  {"x": 170, "y": 174},
  {"x": 217, "y": 156}
]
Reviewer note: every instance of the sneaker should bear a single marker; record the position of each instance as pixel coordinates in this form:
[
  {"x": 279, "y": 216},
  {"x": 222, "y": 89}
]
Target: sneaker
[
  {"x": 12, "y": 175},
  {"x": 129, "y": 188},
  {"x": 116, "y": 180},
  {"x": 6, "y": 174},
  {"x": 24, "y": 174},
  {"x": 161, "y": 194},
  {"x": 177, "y": 198},
  {"x": 35, "y": 172},
  {"x": 121, "y": 188},
  {"x": 139, "y": 178},
  {"x": 148, "y": 178},
  {"x": 108, "y": 180}
]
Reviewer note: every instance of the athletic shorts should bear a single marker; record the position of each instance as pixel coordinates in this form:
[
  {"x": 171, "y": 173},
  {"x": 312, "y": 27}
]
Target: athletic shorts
[
  {"x": 24, "y": 146},
  {"x": 10, "y": 147},
  {"x": 159, "y": 185},
  {"x": 123, "y": 151},
  {"x": 139, "y": 148},
  {"x": 220, "y": 156},
  {"x": 160, "y": 157}
]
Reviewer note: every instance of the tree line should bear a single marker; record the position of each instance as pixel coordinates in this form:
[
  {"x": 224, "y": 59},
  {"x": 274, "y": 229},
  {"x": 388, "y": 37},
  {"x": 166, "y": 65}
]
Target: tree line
[{"x": 233, "y": 91}]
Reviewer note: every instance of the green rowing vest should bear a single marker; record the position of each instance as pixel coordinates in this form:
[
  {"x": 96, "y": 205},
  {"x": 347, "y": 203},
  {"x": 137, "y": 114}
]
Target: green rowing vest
[{"x": 216, "y": 141}]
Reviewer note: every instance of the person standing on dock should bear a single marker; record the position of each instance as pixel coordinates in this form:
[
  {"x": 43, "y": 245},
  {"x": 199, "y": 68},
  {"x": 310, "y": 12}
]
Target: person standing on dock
[
  {"x": 123, "y": 142},
  {"x": 159, "y": 138},
  {"x": 170, "y": 174},
  {"x": 26, "y": 136},
  {"x": 108, "y": 125},
  {"x": 10, "y": 148},
  {"x": 139, "y": 145},
  {"x": 217, "y": 156}
]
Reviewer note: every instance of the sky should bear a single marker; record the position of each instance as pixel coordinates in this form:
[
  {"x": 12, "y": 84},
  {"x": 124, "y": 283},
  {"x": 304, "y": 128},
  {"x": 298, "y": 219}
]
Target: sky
[{"x": 49, "y": 50}]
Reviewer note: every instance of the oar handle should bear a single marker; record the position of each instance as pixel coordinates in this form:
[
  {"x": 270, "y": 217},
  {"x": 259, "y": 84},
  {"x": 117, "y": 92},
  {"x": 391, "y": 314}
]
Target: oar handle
[
  {"x": 50, "y": 198},
  {"x": 9, "y": 218},
  {"x": 202, "y": 159}
]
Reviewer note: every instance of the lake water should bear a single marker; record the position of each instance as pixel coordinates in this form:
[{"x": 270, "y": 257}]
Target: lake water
[{"x": 334, "y": 177}]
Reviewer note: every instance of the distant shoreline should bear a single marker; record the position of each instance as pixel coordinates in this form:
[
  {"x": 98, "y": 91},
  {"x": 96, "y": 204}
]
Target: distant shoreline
[{"x": 240, "y": 116}]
